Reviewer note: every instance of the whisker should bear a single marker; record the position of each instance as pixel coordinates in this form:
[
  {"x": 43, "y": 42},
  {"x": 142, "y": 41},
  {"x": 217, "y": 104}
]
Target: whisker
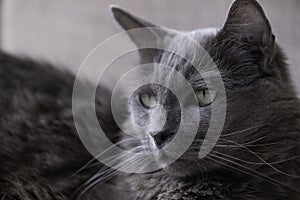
[
  {"x": 104, "y": 176},
  {"x": 256, "y": 155},
  {"x": 254, "y": 163},
  {"x": 96, "y": 157},
  {"x": 259, "y": 175},
  {"x": 244, "y": 130},
  {"x": 240, "y": 170}
]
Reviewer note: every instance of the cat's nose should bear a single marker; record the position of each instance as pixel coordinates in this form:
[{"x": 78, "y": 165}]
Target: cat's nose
[{"x": 162, "y": 137}]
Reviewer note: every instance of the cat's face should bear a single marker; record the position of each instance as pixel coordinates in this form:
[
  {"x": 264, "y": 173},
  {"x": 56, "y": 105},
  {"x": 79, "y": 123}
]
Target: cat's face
[{"x": 248, "y": 61}]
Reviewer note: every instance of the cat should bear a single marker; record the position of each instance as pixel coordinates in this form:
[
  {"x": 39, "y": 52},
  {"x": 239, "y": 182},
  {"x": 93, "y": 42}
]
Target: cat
[{"x": 256, "y": 156}]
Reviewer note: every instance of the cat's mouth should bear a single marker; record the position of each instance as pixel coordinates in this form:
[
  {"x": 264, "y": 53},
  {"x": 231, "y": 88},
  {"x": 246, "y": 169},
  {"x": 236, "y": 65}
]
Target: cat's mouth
[{"x": 183, "y": 166}]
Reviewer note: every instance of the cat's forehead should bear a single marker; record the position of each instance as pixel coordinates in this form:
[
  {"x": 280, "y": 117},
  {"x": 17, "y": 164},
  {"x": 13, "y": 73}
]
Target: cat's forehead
[
  {"x": 186, "y": 40},
  {"x": 190, "y": 46},
  {"x": 187, "y": 50},
  {"x": 202, "y": 35}
]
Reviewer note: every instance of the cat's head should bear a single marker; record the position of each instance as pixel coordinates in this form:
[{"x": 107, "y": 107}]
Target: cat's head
[{"x": 256, "y": 83}]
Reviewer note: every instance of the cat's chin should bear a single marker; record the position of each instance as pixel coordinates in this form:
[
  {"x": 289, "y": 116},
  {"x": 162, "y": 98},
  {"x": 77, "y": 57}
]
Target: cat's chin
[{"x": 182, "y": 169}]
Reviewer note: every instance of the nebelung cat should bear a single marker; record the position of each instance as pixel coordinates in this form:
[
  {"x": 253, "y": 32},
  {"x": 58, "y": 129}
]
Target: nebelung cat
[{"x": 256, "y": 157}]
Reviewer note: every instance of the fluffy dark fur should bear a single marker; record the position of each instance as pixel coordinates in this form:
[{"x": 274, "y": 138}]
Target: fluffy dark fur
[
  {"x": 39, "y": 146},
  {"x": 40, "y": 151}
]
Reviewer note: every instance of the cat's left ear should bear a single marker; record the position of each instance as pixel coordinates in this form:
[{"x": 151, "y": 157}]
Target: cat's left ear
[
  {"x": 146, "y": 34},
  {"x": 247, "y": 21}
]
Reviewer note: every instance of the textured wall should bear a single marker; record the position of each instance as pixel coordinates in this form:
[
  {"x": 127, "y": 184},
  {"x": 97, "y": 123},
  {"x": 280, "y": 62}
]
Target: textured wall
[{"x": 64, "y": 31}]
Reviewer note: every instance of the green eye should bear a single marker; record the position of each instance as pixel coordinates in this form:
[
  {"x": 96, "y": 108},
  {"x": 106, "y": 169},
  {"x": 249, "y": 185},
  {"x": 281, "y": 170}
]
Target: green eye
[
  {"x": 205, "y": 97},
  {"x": 149, "y": 101}
]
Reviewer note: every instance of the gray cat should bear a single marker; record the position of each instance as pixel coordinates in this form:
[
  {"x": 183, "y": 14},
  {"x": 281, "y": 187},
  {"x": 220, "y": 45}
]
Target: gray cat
[
  {"x": 255, "y": 158},
  {"x": 257, "y": 155}
]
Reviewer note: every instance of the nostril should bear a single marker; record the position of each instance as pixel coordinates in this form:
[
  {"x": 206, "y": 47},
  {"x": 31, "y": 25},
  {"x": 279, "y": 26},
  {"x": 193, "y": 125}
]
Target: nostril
[{"x": 162, "y": 137}]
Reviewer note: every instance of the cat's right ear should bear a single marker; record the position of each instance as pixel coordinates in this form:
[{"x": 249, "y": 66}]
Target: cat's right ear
[
  {"x": 246, "y": 20},
  {"x": 145, "y": 35}
]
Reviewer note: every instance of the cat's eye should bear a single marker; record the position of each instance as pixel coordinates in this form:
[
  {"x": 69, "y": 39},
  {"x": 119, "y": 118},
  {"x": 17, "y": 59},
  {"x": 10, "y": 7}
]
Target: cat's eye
[
  {"x": 149, "y": 101},
  {"x": 206, "y": 96}
]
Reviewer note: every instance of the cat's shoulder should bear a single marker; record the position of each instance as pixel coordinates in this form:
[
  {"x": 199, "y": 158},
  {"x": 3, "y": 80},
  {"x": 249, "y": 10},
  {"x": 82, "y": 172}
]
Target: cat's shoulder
[{"x": 23, "y": 73}]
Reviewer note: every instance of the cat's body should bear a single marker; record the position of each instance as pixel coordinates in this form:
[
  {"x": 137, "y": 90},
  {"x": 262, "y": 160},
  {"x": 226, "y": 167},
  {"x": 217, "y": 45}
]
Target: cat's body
[
  {"x": 40, "y": 149},
  {"x": 256, "y": 158}
]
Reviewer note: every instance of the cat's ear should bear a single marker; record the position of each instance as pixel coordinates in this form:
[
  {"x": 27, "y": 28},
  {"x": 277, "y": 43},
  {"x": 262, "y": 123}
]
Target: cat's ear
[
  {"x": 247, "y": 21},
  {"x": 142, "y": 38}
]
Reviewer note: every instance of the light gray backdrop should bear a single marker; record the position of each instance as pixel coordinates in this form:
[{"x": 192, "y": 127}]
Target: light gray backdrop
[{"x": 64, "y": 31}]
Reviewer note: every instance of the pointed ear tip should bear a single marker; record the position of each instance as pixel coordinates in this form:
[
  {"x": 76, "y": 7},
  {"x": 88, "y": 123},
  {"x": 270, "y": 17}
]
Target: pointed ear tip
[
  {"x": 247, "y": 6},
  {"x": 115, "y": 9},
  {"x": 246, "y": 2}
]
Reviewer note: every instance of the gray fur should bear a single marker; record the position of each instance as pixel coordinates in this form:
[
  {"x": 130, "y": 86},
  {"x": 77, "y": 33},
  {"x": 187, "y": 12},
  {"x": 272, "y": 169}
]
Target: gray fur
[
  {"x": 256, "y": 158},
  {"x": 262, "y": 113}
]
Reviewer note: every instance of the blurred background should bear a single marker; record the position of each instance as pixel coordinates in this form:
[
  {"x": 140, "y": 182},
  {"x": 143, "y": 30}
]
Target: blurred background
[{"x": 65, "y": 31}]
